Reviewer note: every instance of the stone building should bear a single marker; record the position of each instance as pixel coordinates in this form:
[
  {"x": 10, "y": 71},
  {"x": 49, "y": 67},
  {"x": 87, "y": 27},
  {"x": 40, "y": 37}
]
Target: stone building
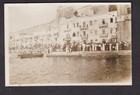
[
  {"x": 124, "y": 23},
  {"x": 96, "y": 23},
  {"x": 36, "y": 37}
]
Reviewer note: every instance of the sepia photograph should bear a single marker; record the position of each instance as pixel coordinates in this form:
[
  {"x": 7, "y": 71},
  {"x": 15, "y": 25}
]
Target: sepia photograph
[{"x": 68, "y": 44}]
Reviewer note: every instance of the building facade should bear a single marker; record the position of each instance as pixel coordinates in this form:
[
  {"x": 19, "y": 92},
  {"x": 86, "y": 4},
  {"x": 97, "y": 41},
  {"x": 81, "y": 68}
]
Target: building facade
[
  {"x": 124, "y": 23},
  {"x": 98, "y": 23}
]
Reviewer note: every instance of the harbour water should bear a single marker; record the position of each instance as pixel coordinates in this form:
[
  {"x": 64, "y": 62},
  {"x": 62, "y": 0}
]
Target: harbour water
[{"x": 62, "y": 70}]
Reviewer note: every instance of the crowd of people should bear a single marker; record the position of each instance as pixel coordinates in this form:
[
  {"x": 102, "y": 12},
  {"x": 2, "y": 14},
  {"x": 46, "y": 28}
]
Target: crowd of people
[
  {"x": 74, "y": 47},
  {"x": 92, "y": 46}
]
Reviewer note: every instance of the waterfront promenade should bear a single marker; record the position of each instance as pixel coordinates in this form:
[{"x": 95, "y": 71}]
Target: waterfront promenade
[
  {"x": 96, "y": 54},
  {"x": 90, "y": 53}
]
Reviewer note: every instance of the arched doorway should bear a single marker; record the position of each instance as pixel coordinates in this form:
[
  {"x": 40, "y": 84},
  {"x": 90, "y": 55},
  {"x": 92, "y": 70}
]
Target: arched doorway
[{"x": 103, "y": 41}]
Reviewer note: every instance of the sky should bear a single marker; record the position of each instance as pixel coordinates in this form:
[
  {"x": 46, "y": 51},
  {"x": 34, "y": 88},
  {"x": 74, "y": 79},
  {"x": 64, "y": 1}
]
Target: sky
[
  {"x": 22, "y": 16},
  {"x": 26, "y": 15}
]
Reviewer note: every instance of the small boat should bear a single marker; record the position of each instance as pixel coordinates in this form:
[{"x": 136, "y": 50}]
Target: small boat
[{"x": 35, "y": 55}]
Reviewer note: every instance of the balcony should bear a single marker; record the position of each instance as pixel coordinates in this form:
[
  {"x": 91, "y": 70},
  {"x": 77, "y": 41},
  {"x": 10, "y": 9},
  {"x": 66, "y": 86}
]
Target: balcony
[
  {"x": 120, "y": 18},
  {"x": 128, "y": 17},
  {"x": 103, "y": 25},
  {"x": 84, "y": 37},
  {"x": 83, "y": 28},
  {"x": 124, "y": 17},
  {"x": 68, "y": 30},
  {"x": 114, "y": 36},
  {"x": 104, "y": 35}
]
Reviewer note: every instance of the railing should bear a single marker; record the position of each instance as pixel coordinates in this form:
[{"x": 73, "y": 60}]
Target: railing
[
  {"x": 83, "y": 28},
  {"x": 68, "y": 30},
  {"x": 124, "y": 17},
  {"x": 103, "y": 25},
  {"x": 128, "y": 17},
  {"x": 104, "y": 35}
]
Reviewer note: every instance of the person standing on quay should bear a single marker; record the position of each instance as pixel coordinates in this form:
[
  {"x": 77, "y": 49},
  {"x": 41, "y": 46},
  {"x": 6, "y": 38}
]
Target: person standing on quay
[
  {"x": 84, "y": 45},
  {"x": 103, "y": 47},
  {"x": 93, "y": 46},
  {"x": 117, "y": 46},
  {"x": 110, "y": 46},
  {"x": 122, "y": 45}
]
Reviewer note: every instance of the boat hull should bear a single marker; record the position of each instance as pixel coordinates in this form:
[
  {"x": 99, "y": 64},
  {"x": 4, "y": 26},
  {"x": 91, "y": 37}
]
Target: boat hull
[{"x": 30, "y": 55}]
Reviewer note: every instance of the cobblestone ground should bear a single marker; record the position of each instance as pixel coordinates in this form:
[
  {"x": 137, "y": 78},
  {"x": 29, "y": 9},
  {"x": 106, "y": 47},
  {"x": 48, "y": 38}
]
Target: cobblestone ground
[{"x": 68, "y": 70}]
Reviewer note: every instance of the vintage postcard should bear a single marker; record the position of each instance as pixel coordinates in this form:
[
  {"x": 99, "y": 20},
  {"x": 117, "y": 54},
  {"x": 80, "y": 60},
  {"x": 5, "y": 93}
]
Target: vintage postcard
[{"x": 68, "y": 44}]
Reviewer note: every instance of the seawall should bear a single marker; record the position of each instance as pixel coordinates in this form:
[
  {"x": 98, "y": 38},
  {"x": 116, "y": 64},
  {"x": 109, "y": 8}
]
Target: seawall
[{"x": 95, "y": 54}]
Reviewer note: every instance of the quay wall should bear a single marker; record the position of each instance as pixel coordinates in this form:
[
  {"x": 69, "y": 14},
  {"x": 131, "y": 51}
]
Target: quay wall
[{"x": 95, "y": 54}]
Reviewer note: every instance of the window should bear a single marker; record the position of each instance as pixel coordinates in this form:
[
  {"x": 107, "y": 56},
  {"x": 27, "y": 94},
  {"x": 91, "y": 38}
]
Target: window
[
  {"x": 96, "y": 40},
  {"x": 10, "y": 37},
  {"x": 76, "y": 13},
  {"x": 103, "y": 41},
  {"x": 67, "y": 26},
  {"x": 128, "y": 10},
  {"x": 111, "y": 20},
  {"x": 84, "y": 33},
  {"x": 77, "y": 24},
  {"x": 111, "y": 30},
  {"x": 73, "y": 24},
  {"x": 115, "y": 19},
  {"x": 77, "y": 34},
  {"x": 84, "y": 24},
  {"x": 103, "y": 21},
  {"x": 91, "y": 31},
  {"x": 74, "y": 35},
  {"x": 90, "y": 22},
  {"x": 95, "y": 11},
  {"x": 55, "y": 39},
  {"x": 103, "y": 31},
  {"x": 96, "y": 33}
]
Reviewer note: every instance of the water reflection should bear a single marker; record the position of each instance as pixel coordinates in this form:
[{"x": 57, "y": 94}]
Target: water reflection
[{"x": 69, "y": 70}]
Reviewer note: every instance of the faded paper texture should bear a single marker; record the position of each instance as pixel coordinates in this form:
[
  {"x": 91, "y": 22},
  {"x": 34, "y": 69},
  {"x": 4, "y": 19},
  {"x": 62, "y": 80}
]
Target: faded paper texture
[{"x": 50, "y": 44}]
